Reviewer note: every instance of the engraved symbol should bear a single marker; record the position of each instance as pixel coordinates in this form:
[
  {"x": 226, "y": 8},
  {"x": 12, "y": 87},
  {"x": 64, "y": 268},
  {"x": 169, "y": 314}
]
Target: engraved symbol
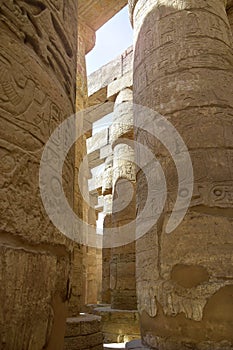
[
  {"x": 15, "y": 98},
  {"x": 217, "y": 192}
]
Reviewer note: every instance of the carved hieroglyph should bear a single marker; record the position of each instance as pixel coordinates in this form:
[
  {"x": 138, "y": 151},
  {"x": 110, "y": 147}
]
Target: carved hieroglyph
[
  {"x": 37, "y": 92},
  {"x": 183, "y": 69}
]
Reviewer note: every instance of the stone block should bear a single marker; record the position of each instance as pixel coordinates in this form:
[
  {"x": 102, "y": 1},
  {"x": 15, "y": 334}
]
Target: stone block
[
  {"x": 84, "y": 342},
  {"x": 105, "y": 151},
  {"x": 83, "y": 332},
  {"x": 125, "y": 81},
  {"x": 97, "y": 141}
]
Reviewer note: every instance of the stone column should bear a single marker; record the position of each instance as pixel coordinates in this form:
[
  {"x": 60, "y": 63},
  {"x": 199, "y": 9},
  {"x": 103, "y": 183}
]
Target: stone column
[
  {"x": 86, "y": 41},
  {"x": 78, "y": 272},
  {"x": 183, "y": 69},
  {"x": 37, "y": 92},
  {"x": 82, "y": 256},
  {"x": 122, "y": 265}
]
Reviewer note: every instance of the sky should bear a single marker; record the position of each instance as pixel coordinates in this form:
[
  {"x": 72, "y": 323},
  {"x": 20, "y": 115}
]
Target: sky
[{"x": 111, "y": 40}]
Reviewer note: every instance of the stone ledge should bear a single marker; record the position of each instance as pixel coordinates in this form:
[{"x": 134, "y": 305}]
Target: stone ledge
[{"x": 83, "y": 332}]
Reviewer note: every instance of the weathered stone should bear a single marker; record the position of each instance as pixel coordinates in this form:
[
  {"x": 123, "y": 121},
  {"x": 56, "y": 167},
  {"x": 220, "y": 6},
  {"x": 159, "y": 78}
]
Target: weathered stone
[
  {"x": 184, "y": 290},
  {"x": 86, "y": 40},
  {"x": 97, "y": 141},
  {"x": 112, "y": 71},
  {"x": 84, "y": 342},
  {"x": 107, "y": 176},
  {"x": 122, "y": 126},
  {"x": 38, "y": 48},
  {"x": 122, "y": 264},
  {"x": 135, "y": 345},
  {"x": 126, "y": 81},
  {"x": 118, "y": 325},
  {"x": 83, "y": 332},
  {"x": 97, "y": 13}
]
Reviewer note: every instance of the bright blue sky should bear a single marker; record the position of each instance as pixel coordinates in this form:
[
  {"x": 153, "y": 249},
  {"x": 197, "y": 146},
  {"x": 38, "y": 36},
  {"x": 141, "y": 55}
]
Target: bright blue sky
[{"x": 111, "y": 40}]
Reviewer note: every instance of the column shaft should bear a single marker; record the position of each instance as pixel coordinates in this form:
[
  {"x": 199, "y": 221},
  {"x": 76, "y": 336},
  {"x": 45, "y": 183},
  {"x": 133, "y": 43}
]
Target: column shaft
[
  {"x": 122, "y": 265},
  {"x": 37, "y": 92},
  {"x": 183, "y": 69}
]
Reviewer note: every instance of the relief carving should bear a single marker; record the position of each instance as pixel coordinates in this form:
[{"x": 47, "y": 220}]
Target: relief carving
[
  {"x": 188, "y": 80},
  {"x": 15, "y": 95},
  {"x": 28, "y": 20}
]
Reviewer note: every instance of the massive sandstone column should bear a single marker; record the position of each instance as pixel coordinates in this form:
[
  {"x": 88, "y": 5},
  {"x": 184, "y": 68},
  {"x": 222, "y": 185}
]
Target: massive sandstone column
[
  {"x": 37, "y": 92},
  {"x": 80, "y": 266},
  {"x": 122, "y": 264},
  {"x": 183, "y": 69}
]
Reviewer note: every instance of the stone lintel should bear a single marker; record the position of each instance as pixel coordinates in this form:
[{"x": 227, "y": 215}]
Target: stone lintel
[
  {"x": 96, "y": 13},
  {"x": 98, "y": 111},
  {"x": 111, "y": 71},
  {"x": 126, "y": 81},
  {"x": 98, "y": 141}
]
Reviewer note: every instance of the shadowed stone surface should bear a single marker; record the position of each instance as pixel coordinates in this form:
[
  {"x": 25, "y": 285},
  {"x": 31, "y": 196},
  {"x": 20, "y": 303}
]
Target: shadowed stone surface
[{"x": 37, "y": 92}]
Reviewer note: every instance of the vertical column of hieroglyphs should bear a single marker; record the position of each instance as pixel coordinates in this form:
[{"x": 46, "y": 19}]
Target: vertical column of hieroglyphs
[
  {"x": 122, "y": 265},
  {"x": 183, "y": 70},
  {"x": 37, "y": 92}
]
